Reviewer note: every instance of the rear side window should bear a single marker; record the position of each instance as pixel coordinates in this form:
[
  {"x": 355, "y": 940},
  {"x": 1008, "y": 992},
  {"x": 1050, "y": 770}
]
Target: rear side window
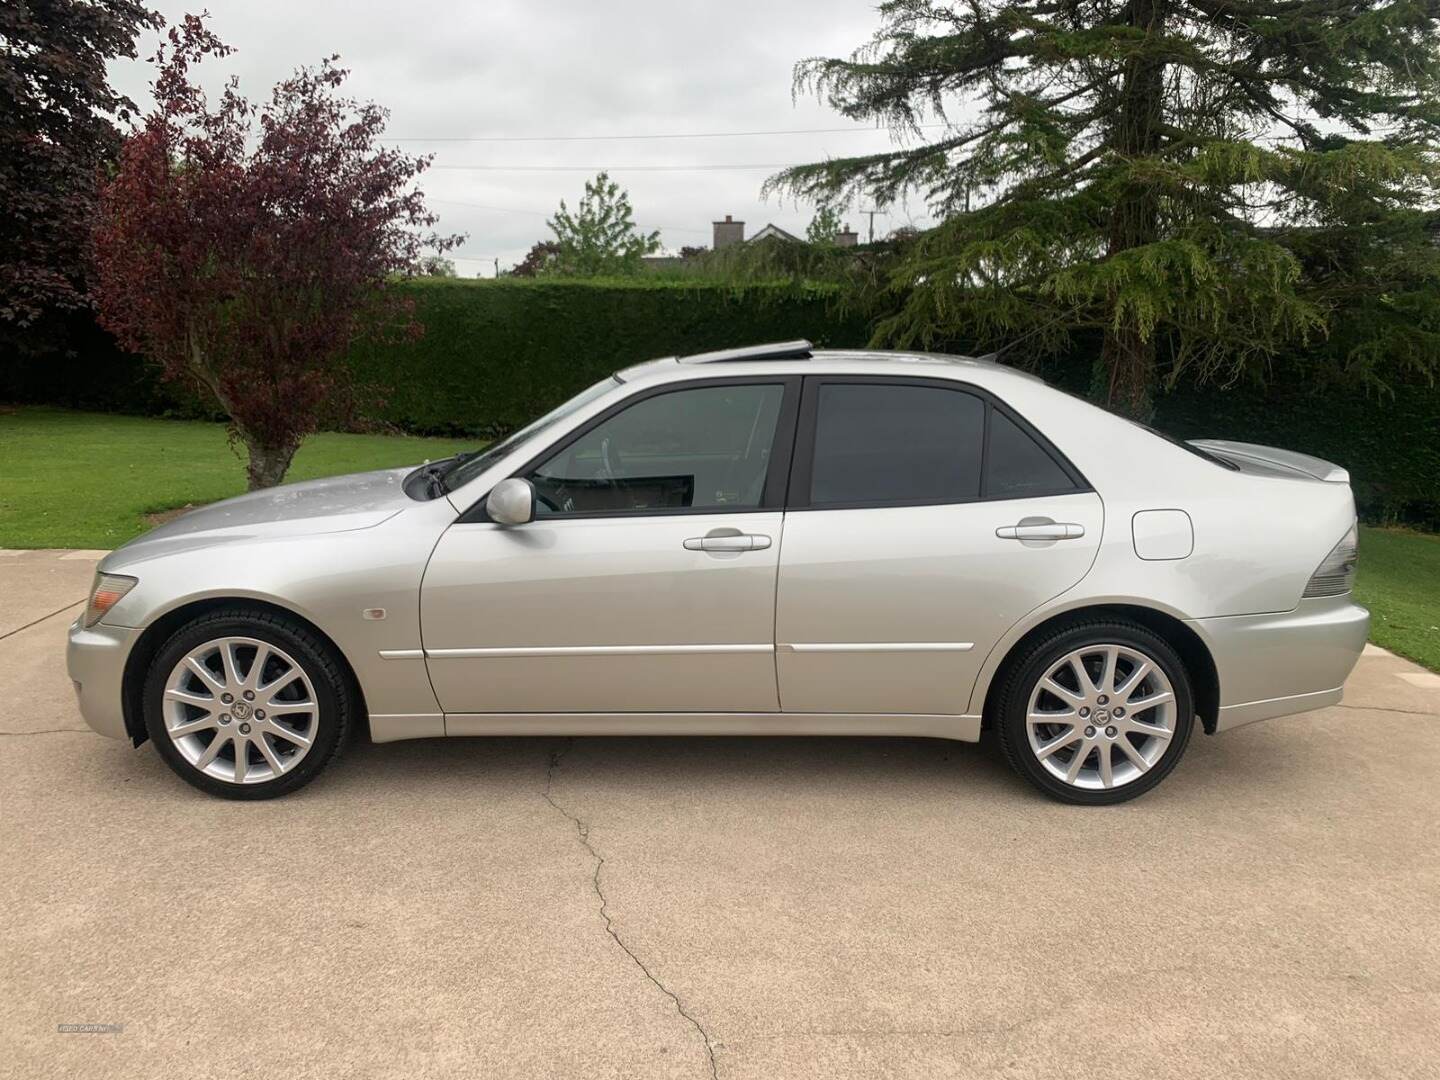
[
  {"x": 1017, "y": 466},
  {"x": 878, "y": 443}
]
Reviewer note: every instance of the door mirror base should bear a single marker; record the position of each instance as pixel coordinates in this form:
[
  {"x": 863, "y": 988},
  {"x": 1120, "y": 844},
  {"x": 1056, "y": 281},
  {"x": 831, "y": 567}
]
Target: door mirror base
[{"x": 511, "y": 502}]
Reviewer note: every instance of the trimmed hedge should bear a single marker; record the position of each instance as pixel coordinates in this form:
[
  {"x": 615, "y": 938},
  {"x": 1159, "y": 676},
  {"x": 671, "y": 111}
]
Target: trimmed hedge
[
  {"x": 497, "y": 353},
  {"x": 1390, "y": 444}
]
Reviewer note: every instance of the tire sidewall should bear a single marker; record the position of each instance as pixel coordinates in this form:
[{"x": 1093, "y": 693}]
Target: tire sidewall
[
  {"x": 331, "y": 697},
  {"x": 1037, "y": 663}
]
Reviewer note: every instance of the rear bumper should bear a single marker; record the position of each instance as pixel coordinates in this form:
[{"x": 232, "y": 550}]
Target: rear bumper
[
  {"x": 95, "y": 659},
  {"x": 1284, "y": 662}
]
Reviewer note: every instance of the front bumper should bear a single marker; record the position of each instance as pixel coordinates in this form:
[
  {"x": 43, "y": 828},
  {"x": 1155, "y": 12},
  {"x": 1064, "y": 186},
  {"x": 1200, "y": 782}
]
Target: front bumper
[
  {"x": 1284, "y": 662},
  {"x": 95, "y": 659}
]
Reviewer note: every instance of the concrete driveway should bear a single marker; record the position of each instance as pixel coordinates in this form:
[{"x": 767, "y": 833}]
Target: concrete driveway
[{"x": 715, "y": 907}]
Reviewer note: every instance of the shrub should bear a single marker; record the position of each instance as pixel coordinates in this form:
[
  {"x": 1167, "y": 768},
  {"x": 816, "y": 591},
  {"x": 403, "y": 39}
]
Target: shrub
[{"x": 495, "y": 354}]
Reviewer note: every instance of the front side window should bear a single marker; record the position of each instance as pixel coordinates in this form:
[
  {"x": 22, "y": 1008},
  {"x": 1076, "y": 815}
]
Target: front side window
[
  {"x": 702, "y": 448},
  {"x": 879, "y": 443}
]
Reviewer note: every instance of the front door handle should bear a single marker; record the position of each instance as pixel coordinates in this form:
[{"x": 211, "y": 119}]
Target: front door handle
[
  {"x": 728, "y": 542},
  {"x": 1041, "y": 530}
]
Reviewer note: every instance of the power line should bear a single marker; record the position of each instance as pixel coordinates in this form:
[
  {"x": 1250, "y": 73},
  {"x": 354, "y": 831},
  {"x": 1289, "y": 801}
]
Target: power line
[
  {"x": 616, "y": 168},
  {"x": 546, "y": 214},
  {"x": 482, "y": 206},
  {"x": 633, "y": 138}
]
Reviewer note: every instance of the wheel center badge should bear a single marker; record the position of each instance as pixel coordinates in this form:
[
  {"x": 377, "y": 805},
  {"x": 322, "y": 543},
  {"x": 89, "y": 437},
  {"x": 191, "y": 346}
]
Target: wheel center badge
[
  {"x": 1102, "y": 716},
  {"x": 241, "y": 710}
]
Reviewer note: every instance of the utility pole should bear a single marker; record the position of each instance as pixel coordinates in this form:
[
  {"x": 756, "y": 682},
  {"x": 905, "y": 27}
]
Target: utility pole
[{"x": 872, "y": 214}]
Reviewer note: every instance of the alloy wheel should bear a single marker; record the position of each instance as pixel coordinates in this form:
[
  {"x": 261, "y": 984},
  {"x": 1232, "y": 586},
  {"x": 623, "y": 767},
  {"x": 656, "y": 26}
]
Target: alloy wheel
[
  {"x": 240, "y": 710},
  {"x": 1101, "y": 717}
]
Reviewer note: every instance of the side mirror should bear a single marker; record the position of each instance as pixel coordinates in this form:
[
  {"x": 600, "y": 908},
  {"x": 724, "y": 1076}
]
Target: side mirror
[{"x": 511, "y": 502}]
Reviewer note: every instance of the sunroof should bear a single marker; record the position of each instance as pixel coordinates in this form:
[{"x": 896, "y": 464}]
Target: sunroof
[{"x": 781, "y": 350}]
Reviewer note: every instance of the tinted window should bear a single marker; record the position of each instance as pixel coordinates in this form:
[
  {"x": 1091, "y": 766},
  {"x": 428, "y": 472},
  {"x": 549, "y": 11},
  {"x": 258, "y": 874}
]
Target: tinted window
[
  {"x": 1017, "y": 465},
  {"x": 896, "y": 444},
  {"x": 702, "y": 448}
]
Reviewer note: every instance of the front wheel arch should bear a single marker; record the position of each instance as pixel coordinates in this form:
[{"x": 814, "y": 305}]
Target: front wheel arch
[
  {"x": 1199, "y": 664},
  {"x": 137, "y": 665}
]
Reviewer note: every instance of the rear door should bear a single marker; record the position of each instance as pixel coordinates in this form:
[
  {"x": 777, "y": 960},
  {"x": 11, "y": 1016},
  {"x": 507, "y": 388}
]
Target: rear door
[{"x": 925, "y": 519}]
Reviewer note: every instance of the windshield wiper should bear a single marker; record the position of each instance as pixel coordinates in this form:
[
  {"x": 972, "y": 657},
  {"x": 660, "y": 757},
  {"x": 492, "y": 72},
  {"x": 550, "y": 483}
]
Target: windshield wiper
[
  {"x": 434, "y": 477},
  {"x": 434, "y": 474}
]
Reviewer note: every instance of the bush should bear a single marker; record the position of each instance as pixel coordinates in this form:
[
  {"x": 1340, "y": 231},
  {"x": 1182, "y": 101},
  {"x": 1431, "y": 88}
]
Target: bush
[
  {"x": 1390, "y": 444},
  {"x": 495, "y": 354}
]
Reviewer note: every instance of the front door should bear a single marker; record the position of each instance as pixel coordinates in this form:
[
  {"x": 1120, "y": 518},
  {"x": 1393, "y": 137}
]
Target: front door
[
  {"x": 925, "y": 521},
  {"x": 646, "y": 581}
]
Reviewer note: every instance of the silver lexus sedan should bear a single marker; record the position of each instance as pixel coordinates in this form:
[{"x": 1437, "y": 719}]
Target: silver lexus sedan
[{"x": 766, "y": 540}]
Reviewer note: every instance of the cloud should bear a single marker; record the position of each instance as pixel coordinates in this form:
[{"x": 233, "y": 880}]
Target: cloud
[{"x": 543, "y": 68}]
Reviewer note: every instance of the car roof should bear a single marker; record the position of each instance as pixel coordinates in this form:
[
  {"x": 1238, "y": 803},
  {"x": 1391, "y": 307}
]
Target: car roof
[{"x": 799, "y": 357}]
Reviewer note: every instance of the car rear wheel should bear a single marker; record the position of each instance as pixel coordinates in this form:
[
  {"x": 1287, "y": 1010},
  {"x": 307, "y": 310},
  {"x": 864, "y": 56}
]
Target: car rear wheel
[
  {"x": 1096, "y": 713},
  {"x": 247, "y": 704}
]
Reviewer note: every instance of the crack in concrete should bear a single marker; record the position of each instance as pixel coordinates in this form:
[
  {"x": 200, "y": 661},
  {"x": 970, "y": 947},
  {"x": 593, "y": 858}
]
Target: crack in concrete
[
  {"x": 1377, "y": 708},
  {"x": 48, "y": 731},
  {"x": 582, "y": 833},
  {"x": 37, "y": 622}
]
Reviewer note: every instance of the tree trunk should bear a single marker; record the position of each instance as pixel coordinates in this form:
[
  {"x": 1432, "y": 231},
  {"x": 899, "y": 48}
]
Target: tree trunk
[
  {"x": 1125, "y": 370},
  {"x": 268, "y": 464}
]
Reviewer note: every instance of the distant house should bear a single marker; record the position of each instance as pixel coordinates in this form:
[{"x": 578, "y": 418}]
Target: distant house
[
  {"x": 773, "y": 232},
  {"x": 730, "y": 232}
]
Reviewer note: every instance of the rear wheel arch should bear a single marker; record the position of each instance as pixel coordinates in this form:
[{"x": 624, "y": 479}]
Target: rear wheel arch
[
  {"x": 1194, "y": 654},
  {"x": 137, "y": 665}
]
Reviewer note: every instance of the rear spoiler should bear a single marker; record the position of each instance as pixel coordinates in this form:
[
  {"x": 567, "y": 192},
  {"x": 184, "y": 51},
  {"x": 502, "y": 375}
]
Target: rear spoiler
[{"x": 1286, "y": 460}]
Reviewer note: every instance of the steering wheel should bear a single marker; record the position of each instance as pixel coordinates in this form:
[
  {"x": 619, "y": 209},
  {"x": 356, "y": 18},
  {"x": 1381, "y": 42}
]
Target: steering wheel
[{"x": 547, "y": 502}]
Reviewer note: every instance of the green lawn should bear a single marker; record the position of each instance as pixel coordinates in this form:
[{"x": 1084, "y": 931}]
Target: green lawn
[
  {"x": 85, "y": 480},
  {"x": 1400, "y": 583}
]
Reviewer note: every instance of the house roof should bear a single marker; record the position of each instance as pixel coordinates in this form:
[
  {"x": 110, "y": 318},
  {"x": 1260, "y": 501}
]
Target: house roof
[{"x": 771, "y": 230}]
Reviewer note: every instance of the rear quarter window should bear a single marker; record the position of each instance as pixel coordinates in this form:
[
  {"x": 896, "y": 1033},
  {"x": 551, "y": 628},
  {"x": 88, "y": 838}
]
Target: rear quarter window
[{"x": 1016, "y": 466}]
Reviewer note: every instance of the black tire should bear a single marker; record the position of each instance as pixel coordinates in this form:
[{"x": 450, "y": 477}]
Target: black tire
[
  {"x": 1023, "y": 675},
  {"x": 334, "y": 697}
]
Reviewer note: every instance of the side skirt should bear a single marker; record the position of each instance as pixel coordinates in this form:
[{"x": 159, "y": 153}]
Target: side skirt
[{"x": 934, "y": 726}]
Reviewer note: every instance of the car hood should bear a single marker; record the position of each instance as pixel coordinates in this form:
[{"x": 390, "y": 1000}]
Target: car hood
[{"x": 334, "y": 504}]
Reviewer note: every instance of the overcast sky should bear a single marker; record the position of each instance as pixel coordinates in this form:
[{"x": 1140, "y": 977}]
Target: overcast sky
[{"x": 517, "y": 69}]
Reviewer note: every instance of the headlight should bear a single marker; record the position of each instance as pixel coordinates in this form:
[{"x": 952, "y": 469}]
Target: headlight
[
  {"x": 1336, "y": 574},
  {"x": 105, "y": 594}
]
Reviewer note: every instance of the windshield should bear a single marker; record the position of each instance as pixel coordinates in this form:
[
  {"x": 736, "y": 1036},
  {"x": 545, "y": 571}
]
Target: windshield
[{"x": 469, "y": 466}]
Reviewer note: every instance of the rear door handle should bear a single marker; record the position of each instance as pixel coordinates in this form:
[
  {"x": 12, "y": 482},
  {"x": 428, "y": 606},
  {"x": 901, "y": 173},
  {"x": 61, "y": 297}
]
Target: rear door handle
[
  {"x": 729, "y": 542},
  {"x": 1048, "y": 530}
]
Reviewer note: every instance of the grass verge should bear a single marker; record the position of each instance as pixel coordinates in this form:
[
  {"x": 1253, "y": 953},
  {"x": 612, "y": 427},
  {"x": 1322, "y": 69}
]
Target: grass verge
[{"x": 1399, "y": 581}]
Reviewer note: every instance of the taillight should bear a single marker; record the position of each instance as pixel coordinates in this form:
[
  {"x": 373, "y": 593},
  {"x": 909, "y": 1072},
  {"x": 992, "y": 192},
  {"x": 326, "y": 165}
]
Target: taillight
[
  {"x": 1336, "y": 574},
  {"x": 105, "y": 594}
]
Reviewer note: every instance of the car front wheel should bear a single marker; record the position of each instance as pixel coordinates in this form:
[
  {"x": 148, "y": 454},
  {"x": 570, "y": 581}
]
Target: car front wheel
[
  {"x": 1096, "y": 713},
  {"x": 246, "y": 704}
]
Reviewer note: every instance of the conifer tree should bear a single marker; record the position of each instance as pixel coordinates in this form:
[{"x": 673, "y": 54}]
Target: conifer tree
[{"x": 1201, "y": 184}]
